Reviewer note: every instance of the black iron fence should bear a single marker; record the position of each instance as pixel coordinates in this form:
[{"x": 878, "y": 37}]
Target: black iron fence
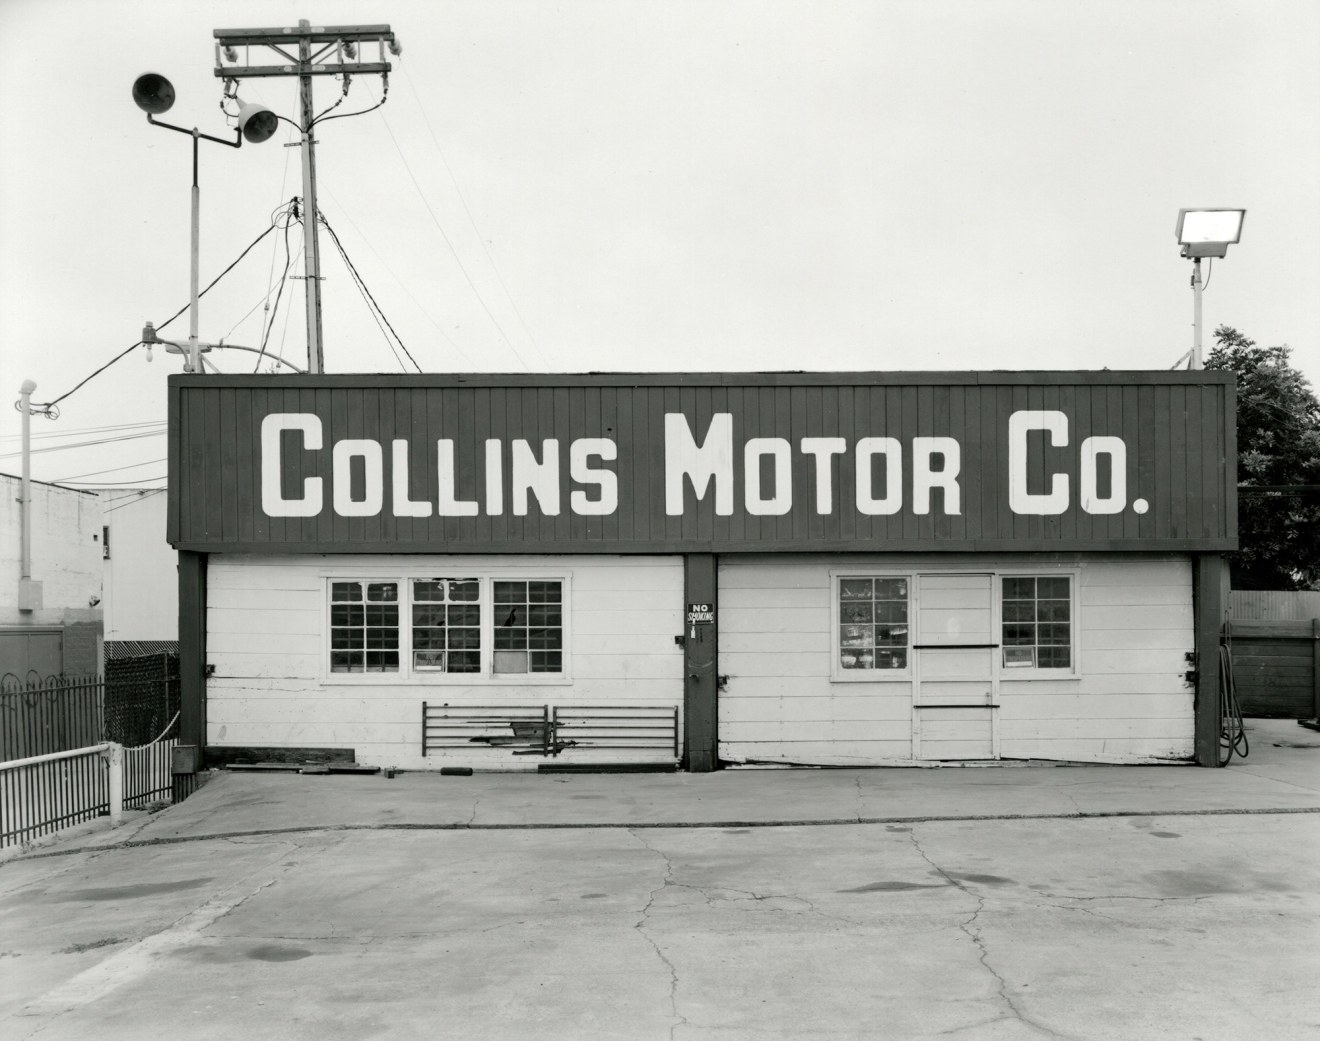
[
  {"x": 75, "y": 749},
  {"x": 56, "y": 714}
]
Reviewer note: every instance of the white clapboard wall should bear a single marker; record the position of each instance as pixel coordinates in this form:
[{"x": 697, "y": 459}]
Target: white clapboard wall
[
  {"x": 1130, "y": 702},
  {"x": 266, "y": 621}
]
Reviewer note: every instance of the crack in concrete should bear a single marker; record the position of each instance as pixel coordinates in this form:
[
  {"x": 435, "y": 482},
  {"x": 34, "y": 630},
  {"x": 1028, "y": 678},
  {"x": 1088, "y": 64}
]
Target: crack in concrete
[
  {"x": 643, "y": 921},
  {"x": 972, "y": 929},
  {"x": 475, "y": 802}
]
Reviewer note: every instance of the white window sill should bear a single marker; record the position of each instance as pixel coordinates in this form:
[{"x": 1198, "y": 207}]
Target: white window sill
[{"x": 443, "y": 679}]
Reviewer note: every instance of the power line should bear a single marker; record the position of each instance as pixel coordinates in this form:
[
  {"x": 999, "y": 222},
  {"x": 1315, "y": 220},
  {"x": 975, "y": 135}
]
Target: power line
[
  {"x": 362, "y": 286},
  {"x": 112, "y": 428},
  {"x": 399, "y": 282},
  {"x": 86, "y": 444},
  {"x": 50, "y": 404},
  {"x": 120, "y": 484},
  {"x": 135, "y": 498},
  {"x": 457, "y": 259},
  {"x": 113, "y": 469},
  {"x": 499, "y": 276},
  {"x": 289, "y": 214}
]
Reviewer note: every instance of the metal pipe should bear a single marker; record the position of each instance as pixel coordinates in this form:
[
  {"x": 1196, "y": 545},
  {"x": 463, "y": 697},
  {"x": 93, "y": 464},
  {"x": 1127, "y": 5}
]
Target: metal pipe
[
  {"x": 194, "y": 351},
  {"x": 1196, "y": 314},
  {"x": 25, "y": 522}
]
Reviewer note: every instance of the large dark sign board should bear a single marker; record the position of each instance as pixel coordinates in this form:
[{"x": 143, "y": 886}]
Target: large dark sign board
[{"x": 999, "y": 461}]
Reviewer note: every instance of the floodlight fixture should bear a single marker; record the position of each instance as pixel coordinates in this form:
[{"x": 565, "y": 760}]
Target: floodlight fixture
[
  {"x": 1208, "y": 233},
  {"x": 1205, "y": 233}
]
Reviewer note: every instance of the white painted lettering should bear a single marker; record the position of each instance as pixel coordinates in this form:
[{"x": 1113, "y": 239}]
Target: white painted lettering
[
  {"x": 580, "y": 454},
  {"x": 867, "y": 449},
  {"x": 924, "y": 479},
  {"x": 824, "y": 448},
  {"x": 1020, "y": 500},
  {"x": 494, "y": 478},
  {"x": 779, "y": 450},
  {"x": 404, "y": 506},
  {"x": 273, "y": 502},
  {"x": 541, "y": 479},
  {"x": 448, "y": 504},
  {"x": 1092, "y": 449},
  {"x": 712, "y": 462},
  {"x": 373, "y": 492}
]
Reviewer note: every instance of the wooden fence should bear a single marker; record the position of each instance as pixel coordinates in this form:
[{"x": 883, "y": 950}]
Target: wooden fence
[{"x": 1276, "y": 667}]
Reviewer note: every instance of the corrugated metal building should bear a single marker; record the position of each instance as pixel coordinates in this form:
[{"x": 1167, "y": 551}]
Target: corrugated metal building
[{"x": 827, "y": 568}]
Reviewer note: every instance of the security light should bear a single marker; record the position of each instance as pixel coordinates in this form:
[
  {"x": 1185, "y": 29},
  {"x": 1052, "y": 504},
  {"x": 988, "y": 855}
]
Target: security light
[{"x": 1208, "y": 233}]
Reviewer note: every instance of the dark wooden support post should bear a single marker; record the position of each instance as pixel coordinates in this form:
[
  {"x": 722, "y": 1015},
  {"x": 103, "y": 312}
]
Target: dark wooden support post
[
  {"x": 192, "y": 657},
  {"x": 700, "y": 664},
  {"x": 1315, "y": 668},
  {"x": 1209, "y": 578}
]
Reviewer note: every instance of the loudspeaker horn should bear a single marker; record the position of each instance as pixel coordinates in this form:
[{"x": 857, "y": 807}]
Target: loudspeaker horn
[
  {"x": 255, "y": 122},
  {"x": 153, "y": 93}
]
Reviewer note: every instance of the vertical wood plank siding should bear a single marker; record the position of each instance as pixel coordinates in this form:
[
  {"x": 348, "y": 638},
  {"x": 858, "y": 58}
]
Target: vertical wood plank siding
[{"x": 1177, "y": 426}]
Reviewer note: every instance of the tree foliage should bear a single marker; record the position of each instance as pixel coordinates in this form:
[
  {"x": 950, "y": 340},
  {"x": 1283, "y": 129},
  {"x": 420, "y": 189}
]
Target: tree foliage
[{"x": 1278, "y": 440}]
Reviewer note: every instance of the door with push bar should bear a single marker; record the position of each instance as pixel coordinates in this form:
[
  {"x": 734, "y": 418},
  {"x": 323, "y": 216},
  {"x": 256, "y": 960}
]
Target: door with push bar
[{"x": 955, "y": 704}]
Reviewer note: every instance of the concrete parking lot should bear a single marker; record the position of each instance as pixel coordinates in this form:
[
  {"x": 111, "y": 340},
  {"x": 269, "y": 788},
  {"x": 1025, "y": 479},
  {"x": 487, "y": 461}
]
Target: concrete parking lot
[{"x": 599, "y": 916}]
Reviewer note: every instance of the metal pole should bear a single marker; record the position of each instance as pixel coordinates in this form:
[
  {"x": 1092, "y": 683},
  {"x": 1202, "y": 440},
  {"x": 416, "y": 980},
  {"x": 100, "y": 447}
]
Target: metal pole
[
  {"x": 311, "y": 260},
  {"x": 25, "y": 522},
  {"x": 193, "y": 349},
  {"x": 1196, "y": 314}
]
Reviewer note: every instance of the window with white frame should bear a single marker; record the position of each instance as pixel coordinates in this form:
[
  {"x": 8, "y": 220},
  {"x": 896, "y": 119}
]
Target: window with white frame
[
  {"x": 1037, "y": 622},
  {"x": 364, "y": 626},
  {"x": 446, "y": 624},
  {"x": 873, "y": 623},
  {"x": 465, "y": 626}
]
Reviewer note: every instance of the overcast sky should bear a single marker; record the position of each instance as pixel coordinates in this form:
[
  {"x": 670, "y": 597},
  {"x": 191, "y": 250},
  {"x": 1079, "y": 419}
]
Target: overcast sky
[{"x": 657, "y": 185}]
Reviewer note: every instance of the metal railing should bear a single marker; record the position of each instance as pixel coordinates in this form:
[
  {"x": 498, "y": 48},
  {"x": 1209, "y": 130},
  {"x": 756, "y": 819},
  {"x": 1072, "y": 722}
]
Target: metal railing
[
  {"x": 548, "y": 730},
  {"x": 47, "y": 793}
]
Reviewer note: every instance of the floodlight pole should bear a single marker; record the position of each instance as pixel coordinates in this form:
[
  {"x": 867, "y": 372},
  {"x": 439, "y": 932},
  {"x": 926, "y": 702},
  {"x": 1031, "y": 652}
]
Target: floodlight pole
[
  {"x": 306, "y": 64},
  {"x": 1197, "y": 286}
]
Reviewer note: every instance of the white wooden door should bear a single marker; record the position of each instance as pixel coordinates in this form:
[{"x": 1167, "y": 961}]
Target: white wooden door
[{"x": 955, "y": 710}]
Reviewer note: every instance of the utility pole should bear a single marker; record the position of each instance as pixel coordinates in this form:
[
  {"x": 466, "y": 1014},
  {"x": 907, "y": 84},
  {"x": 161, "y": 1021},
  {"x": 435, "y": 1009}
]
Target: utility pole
[{"x": 334, "y": 44}]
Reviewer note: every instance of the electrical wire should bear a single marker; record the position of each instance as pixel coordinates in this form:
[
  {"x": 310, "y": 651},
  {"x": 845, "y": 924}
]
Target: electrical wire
[
  {"x": 86, "y": 444},
  {"x": 119, "y": 484},
  {"x": 113, "y": 469},
  {"x": 499, "y": 276},
  {"x": 384, "y": 262},
  {"x": 454, "y": 252},
  {"x": 1232, "y": 731},
  {"x": 385, "y": 93},
  {"x": 113, "y": 428},
  {"x": 290, "y": 214},
  {"x": 45, "y": 408},
  {"x": 375, "y": 307}
]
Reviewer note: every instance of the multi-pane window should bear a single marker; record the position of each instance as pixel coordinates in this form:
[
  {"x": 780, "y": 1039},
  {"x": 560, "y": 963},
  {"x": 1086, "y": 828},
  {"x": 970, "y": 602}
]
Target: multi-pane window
[
  {"x": 364, "y": 626},
  {"x": 529, "y": 626},
  {"x": 446, "y": 624},
  {"x": 1037, "y": 621},
  {"x": 479, "y": 627},
  {"x": 873, "y": 623}
]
